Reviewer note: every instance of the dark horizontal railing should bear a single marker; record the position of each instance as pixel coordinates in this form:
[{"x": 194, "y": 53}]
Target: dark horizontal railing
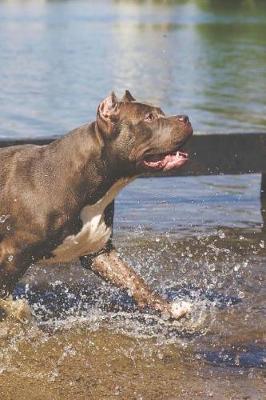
[
  {"x": 210, "y": 154},
  {"x": 226, "y": 154}
]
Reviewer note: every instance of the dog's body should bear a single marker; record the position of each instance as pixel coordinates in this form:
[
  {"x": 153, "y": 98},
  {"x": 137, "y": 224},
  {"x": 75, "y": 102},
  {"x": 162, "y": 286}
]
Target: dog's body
[
  {"x": 94, "y": 233},
  {"x": 56, "y": 200}
]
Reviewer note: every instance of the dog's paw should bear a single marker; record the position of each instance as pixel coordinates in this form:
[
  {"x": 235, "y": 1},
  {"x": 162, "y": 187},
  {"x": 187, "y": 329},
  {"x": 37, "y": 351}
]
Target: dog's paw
[
  {"x": 180, "y": 309},
  {"x": 18, "y": 310}
]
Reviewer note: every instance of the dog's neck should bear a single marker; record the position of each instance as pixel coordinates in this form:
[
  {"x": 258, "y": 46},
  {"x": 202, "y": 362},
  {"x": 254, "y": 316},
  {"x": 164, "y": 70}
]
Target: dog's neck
[{"x": 81, "y": 156}]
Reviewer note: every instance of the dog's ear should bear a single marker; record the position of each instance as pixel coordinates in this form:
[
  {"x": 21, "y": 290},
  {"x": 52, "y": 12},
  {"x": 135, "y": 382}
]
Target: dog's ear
[
  {"x": 108, "y": 111},
  {"x": 108, "y": 107},
  {"x": 127, "y": 98}
]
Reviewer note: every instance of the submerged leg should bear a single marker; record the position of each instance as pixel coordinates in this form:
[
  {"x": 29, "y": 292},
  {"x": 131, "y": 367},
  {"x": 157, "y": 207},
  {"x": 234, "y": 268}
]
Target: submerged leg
[
  {"x": 18, "y": 310},
  {"x": 12, "y": 267}
]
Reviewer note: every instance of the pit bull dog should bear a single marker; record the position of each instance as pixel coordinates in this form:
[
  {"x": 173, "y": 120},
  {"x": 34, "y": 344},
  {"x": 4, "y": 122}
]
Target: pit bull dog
[{"x": 56, "y": 200}]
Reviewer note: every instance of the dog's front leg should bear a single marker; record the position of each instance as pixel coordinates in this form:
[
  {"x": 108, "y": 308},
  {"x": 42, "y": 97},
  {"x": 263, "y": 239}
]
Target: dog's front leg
[{"x": 109, "y": 266}]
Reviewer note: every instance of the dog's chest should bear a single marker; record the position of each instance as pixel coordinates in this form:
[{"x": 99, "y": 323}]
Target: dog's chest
[{"x": 94, "y": 233}]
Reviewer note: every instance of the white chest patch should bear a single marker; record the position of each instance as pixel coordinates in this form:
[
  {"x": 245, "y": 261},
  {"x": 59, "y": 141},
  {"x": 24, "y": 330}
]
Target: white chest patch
[{"x": 94, "y": 233}]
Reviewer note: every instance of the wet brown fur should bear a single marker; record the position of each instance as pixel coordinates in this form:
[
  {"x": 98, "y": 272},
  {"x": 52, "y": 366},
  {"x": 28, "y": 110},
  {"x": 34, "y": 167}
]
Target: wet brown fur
[{"x": 44, "y": 188}]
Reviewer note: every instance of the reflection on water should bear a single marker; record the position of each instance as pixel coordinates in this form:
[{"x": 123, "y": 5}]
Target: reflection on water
[{"x": 59, "y": 58}]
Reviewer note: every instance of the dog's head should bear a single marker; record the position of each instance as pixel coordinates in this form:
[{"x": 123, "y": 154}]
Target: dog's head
[{"x": 139, "y": 137}]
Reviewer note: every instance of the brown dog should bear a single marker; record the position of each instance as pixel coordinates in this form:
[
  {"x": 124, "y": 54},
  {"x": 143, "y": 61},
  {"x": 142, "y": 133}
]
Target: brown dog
[{"x": 56, "y": 201}]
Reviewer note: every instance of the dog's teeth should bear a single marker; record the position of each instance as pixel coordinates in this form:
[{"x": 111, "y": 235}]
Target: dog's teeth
[{"x": 177, "y": 154}]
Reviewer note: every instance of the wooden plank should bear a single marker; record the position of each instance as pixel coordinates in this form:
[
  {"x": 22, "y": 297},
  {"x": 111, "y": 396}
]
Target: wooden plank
[
  {"x": 4, "y": 142},
  {"x": 263, "y": 187},
  {"x": 225, "y": 154},
  {"x": 263, "y": 200},
  {"x": 210, "y": 154}
]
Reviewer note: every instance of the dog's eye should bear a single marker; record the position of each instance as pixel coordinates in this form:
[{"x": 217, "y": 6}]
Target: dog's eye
[{"x": 149, "y": 117}]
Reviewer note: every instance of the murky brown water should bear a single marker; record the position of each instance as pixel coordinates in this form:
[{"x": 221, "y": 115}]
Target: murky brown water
[
  {"x": 82, "y": 364},
  {"x": 85, "y": 350}
]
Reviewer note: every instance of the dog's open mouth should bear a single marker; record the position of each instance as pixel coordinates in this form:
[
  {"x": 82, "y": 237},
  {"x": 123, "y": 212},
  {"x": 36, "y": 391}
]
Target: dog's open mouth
[{"x": 166, "y": 162}]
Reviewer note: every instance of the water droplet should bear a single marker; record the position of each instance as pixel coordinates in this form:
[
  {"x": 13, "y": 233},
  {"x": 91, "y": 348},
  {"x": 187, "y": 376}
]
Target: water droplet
[
  {"x": 117, "y": 391},
  {"x": 221, "y": 234},
  {"x": 3, "y": 218}
]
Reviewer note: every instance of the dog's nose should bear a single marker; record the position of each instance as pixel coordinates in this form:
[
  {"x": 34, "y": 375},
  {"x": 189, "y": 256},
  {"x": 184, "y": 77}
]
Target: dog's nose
[{"x": 183, "y": 118}]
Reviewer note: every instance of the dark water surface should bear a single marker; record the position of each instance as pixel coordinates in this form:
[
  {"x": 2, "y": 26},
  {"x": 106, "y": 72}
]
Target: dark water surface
[{"x": 200, "y": 239}]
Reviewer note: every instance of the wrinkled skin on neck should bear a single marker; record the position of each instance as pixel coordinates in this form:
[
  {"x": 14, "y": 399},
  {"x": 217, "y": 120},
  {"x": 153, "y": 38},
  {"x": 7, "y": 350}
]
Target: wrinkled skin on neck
[{"x": 139, "y": 137}]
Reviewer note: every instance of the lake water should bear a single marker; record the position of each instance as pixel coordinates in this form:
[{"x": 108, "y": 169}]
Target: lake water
[
  {"x": 60, "y": 58},
  {"x": 199, "y": 238}
]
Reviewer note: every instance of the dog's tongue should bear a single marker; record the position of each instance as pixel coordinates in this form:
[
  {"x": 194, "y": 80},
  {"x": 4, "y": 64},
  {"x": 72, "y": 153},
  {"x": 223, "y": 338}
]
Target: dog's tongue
[
  {"x": 168, "y": 162},
  {"x": 172, "y": 161}
]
